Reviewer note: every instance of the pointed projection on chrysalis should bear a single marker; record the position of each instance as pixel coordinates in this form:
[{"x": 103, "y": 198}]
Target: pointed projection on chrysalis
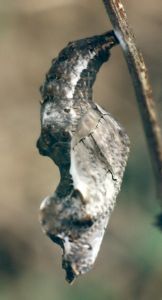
[{"x": 90, "y": 149}]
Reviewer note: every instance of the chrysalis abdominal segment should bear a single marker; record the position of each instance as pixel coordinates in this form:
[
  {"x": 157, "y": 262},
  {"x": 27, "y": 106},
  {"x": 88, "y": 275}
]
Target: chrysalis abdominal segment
[{"x": 90, "y": 149}]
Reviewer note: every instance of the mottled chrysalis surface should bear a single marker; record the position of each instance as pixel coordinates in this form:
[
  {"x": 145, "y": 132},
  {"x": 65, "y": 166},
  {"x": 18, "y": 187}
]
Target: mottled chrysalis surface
[{"x": 89, "y": 147}]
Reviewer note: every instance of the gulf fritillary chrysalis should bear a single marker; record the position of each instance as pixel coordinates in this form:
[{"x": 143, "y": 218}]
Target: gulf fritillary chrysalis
[{"x": 89, "y": 147}]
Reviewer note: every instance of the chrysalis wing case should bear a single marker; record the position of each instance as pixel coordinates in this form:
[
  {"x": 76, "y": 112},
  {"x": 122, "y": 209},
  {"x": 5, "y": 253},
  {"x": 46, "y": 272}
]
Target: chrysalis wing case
[{"x": 90, "y": 149}]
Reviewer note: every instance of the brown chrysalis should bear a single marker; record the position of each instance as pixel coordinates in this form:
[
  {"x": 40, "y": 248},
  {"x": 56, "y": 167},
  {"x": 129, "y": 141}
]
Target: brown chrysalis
[{"x": 89, "y": 147}]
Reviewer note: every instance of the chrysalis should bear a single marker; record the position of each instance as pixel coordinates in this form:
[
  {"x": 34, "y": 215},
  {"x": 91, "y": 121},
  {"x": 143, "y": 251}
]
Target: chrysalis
[{"x": 90, "y": 149}]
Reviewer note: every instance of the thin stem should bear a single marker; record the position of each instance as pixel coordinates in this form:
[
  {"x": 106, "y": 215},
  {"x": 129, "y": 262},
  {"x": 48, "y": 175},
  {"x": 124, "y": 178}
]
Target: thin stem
[{"x": 140, "y": 80}]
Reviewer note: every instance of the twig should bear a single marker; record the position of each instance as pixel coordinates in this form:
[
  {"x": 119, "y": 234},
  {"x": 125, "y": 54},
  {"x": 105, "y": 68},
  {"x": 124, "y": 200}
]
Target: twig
[{"x": 139, "y": 75}]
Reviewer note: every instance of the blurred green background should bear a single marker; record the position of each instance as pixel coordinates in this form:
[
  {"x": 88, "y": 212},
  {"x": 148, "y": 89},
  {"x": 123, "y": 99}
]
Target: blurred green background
[{"x": 129, "y": 265}]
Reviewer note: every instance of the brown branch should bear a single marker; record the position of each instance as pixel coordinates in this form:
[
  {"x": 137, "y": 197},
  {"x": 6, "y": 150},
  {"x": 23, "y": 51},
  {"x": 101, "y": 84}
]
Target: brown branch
[{"x": 140, "y": 80}]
